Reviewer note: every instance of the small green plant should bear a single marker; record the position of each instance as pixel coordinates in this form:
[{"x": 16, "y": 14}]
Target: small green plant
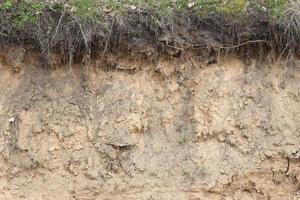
[
  {"x": 29, "y": 12},
  {"x": 203, "y": 170},
  {"x": 23, "y": 12},
  {"x": 114, "y": 5},
  {"x": 6, "y": 5},
  {"x": 86, "y": 9},
  {"x": 230, "y": 7},
  {"x": 234, "y": 7},
  {"x": 276, "y": 7},
  {"x": 182, "y": 140}
]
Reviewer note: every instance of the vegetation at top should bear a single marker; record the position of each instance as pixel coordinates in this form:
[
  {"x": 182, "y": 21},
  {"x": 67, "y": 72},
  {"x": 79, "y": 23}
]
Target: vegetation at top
[
  {"x": 25, "y": 12},
  {"x": 79, "y": 27}
]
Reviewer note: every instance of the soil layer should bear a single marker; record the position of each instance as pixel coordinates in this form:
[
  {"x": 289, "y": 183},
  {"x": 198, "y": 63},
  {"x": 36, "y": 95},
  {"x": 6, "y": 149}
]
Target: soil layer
[{"x": 176, "y": 130}]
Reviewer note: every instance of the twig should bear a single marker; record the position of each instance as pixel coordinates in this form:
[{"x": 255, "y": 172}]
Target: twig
[
  {"x": 174, "y": 47},
  {"x": 120, "y": 146},
  {"x": 4, "y": 34},
  {"x": 248, "y": 42},
  {"x": 281, "y": 54},
  {"x": 288, "y": 166},
  {"x": 108, "y": 37}
]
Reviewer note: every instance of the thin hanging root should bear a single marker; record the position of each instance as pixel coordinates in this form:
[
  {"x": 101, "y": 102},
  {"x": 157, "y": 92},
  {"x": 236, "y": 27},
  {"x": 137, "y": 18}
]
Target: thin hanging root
[
  {"x": 71, "y": 71},
  {"x": 71, "y": 63},
  {"x": 56, "y": 31},
  {"x": 108, "y": 38},
  {"x": 87, "y": 56},
  {"x": 281, "y": 54}
]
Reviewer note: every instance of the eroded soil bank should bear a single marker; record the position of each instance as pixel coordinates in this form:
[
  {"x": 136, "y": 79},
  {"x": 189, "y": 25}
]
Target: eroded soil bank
[{"x": 171, "y": 131}]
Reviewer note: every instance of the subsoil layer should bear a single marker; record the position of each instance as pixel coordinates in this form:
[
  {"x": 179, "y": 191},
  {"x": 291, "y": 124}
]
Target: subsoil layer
[{"x": 176, "y": 130}]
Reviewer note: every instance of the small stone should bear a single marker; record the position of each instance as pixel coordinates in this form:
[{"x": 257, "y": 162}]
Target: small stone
[
  {"x": 12, "y": 120},
  {"x": 92, "y": 174},
  {"x": 191, "y": 4},
  {"x": 38, "y": 128},
  {"x": 221, "y": 138},
  {"x": 15, "y": 170},
  {"x": 135, "y": 123},
  {"x": 51, "y": 148}
]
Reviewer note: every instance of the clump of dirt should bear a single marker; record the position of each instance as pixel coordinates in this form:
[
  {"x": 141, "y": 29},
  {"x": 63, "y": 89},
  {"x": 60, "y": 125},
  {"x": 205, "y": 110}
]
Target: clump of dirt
[{"x": 167, "y": 129}]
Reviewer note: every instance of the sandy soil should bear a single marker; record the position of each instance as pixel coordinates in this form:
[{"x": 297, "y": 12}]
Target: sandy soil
[{"x": 176, "y": 130}]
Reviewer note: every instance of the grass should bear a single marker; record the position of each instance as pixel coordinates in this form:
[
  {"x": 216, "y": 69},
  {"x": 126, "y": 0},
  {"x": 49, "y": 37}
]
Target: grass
[
  {"x": 236, "y": 8},
  {"x": 27, "y": 11},
  {"x": 87, "y": 9}
]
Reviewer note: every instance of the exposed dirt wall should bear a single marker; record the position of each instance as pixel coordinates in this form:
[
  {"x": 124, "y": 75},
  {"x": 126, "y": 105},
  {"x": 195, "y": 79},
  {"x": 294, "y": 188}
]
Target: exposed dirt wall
[{"x": 177, "y": 130}]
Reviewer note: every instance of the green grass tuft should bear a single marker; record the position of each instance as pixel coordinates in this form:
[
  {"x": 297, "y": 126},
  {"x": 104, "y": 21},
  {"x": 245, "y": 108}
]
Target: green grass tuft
[{"x": 23, "y": 13}]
